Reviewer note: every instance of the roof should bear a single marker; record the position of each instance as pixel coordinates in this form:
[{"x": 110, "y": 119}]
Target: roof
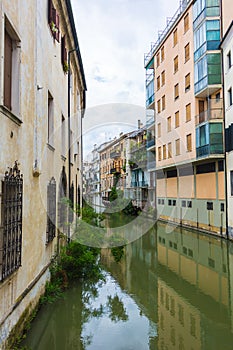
[{"x": 76, "y": 43}]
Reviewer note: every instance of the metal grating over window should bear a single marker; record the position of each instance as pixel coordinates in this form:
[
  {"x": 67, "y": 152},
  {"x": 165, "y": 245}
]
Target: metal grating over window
[
  {"x": 11, "y": 219},
  {"x": 51, "y": 210}
]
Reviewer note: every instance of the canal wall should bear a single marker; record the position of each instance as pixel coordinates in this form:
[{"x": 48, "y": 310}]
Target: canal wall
[{"x": 14, "y": 322}]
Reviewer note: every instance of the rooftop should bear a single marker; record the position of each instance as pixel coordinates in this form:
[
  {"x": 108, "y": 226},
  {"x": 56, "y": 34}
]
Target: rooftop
[{"x": 162, "y": 33}]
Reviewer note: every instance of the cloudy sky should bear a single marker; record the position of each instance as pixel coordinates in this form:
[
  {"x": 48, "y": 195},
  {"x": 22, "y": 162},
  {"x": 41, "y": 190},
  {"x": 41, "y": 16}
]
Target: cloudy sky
[{"x": 113, "y": 37}]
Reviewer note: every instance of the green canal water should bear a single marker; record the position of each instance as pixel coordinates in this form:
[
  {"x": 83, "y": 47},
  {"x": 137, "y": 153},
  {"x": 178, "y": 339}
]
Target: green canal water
[{"x": 173, "y": 289}]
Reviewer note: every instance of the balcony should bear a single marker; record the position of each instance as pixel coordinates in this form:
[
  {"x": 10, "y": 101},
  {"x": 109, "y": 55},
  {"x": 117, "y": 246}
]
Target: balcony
[
  {"x": 208, "y": 150},
  {"x": 115, "y": 154},
  {"x": 116, "y": 170},
  {"x": 210, "y": 114},
  {"x": 139, "y": 184},
  {"x": 151, "y": 143},
  {"x": 151, "y": 165}
]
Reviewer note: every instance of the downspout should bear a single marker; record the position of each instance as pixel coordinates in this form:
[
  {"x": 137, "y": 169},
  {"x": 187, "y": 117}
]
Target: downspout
[{"x": 224, "y": 124}]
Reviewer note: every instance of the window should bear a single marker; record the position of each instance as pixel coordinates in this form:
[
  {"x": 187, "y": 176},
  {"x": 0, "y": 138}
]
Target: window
[
  {"x": 222, "y": 206},
  {"x": 176, "y": 63},
  {"x": 11, "y": 214},
  {"x": 189, "y": 142},
  {"x": 229, "y": 59},
  {"x": 163, "y": 77},
  {"x": 159, "y": 130},
  {"x": 188, "y": 112},
  {"x": 53, "y": 20},
  {"x": 158, "y": 82},
  {"x": 186, "y": 22},
  {"x": 164, "y": 152},
  {"x": 230, "y": 97},
  {"x": 176, "y": 91},
  {"x": 187, "y": 82},
  {"x": 183, "y": 204},
  {"x": 157, "y": 59},
  {"x": 177, "y": 119},
  {"x": 209, "y": 205},
  {"x": 158, "y": 106},
  {"x": 11, "y": 69},
  {"x": 231, "y": 179},
  {"x": 186, "y": 52},
  {"x": 159, "y": 153},
  {"x": 162, "y": 54},
  {"x": 50, "y": 120},
  {"x": 177, "y": 147},
  {"x": 169, "y": 124},
  {"x": 175, "y": 37},
  {"x": 51, "y": 210},
  {"x": 63, "y": 136},
  {"x": 217, "y": 97},
  {"x": 169, "y": 150},
  {"x": 163, "y": 103}
]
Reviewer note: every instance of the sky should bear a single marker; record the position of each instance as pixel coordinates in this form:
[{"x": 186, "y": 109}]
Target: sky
[{"x": 113, "y": 37}]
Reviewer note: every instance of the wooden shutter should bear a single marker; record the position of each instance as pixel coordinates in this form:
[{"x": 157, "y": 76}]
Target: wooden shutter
[
  {"x": 63, "y": 50},
  {"x": 57, "y": 33},
  {"x": 50, "y": 12},
  {"x": 7, "y": 70}
]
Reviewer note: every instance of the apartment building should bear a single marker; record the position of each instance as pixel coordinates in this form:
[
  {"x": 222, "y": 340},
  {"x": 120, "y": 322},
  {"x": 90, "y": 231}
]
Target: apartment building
[
  {"x": 136, "y": 187},
  {"x": 184, "y": 88},
  {"x": 227, "y": 64},
  {"x": 41, "y": 148},
  {"x": 113, "y": 166}
]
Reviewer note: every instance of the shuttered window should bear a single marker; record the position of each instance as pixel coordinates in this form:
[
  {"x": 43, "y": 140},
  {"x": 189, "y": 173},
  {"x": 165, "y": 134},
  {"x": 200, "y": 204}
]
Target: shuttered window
[
  {"x": 187, "y": 82},
  {"x": 187, "y": 52},
  {"x": 175, "y": 37},
  {"x": 164, "y": 151},
  {"x": 169, "y": 124},
  {"x": 169, "y": 150},
  {"x": 178, "y": 147},
  {"x": 158, "y": 82},
  {"x": 176, "y": 91},
  {"x": 163, "y": 102},
  {"x": 163, "y": 77},
  {"x": 162, "y": 54},
  {"x": 177, "y": 119},
  {"x": 7, "y": 70},
  {"x": 186, "y": 22},
  {"x": 176, "y": 64},
  {"x": 64, "y": 54},
  {"x": 188, "y": 112},
  {"x": 159, "y": 153},
  {"x": 53, "y": 19},
  {"x": 189, "y": 142},
  {"x": 159, "y": 130},
  {"x": 158, "y": 106}
]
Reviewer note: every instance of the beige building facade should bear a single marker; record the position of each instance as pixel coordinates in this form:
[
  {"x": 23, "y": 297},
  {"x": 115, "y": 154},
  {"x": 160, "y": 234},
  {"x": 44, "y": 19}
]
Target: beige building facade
[
  {"x": 185, "y": 90},
  {"x": 37, "y": 166}
]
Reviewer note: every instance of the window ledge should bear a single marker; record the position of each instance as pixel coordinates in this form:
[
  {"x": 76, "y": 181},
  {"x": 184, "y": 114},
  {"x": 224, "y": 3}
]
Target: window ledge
[
  {"x": 50, "y": 147},
  {"x": 10, "y": 115},
  {"x": 63, "y": 158}
]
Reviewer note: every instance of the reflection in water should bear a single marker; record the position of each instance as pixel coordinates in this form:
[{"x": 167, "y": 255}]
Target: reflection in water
[{"x": 170, "y": 291}]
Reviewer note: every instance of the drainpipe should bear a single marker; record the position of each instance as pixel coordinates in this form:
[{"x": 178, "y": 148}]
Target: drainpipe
[
  {"x": 224, "y": 124},
  {"x": 69, "y": 152}
]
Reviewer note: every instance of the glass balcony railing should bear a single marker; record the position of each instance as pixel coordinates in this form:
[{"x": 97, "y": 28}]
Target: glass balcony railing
[
  {"x": 150, "y": 142},
  {"x": 208, "y": 115},
  {"x": 139, "y": 184},
  {"x": 208, "y": 150}
]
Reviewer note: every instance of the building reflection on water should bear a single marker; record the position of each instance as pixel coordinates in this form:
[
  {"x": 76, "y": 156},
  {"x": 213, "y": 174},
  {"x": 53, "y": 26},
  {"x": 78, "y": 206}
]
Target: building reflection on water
[{"x": 183, "y": 283}]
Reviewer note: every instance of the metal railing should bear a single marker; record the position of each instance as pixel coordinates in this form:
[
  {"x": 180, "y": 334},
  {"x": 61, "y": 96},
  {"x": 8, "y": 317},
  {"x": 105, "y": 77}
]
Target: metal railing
[{"x": 162, "y": 34}]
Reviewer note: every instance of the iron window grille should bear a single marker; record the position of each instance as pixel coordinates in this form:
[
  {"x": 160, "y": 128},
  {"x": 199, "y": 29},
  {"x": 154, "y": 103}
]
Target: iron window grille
[
  {"x": 11, "y": 219},
  {"x": 51, "y": 210}
]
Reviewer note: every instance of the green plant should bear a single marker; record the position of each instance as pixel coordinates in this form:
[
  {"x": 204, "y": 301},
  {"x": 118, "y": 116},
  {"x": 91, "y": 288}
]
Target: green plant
[
  {"x": 66, "y": 67},
  {"x": 53, "y": 27}
]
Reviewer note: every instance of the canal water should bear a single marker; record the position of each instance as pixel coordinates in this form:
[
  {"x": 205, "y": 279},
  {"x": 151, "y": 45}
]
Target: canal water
[{"x": 173, "y": 289}]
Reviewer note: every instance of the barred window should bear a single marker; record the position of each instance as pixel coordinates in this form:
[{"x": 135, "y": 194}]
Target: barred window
[
  {"x": 51, "y": 210},
  {"x": 11, "y": 222}
]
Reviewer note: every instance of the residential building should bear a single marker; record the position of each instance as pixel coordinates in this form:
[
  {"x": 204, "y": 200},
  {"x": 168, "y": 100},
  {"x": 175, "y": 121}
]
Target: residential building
[
  {"x": 188, "y": 109},
  {"x": 227, "y": 63},
  {"x": 136, "y": 168},
  {"x": 113, "y": 166},
  {"x": 41, "y": 148}
]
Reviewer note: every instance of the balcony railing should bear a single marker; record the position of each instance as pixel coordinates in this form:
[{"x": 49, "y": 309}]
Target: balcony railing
[
  {"x": 209, "y": 149},
  {"x": 139, "y": 184},
  {"x": 150, "y": 100},
  {"x": 115, "y": 154},
  {"x": 211, "y": 114},
  {"x": 115, "y": 170},
  {"x": 162, "y": 34},
  {"x": 151, "y": 164},
  {"x": 150, "y": 143}
]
